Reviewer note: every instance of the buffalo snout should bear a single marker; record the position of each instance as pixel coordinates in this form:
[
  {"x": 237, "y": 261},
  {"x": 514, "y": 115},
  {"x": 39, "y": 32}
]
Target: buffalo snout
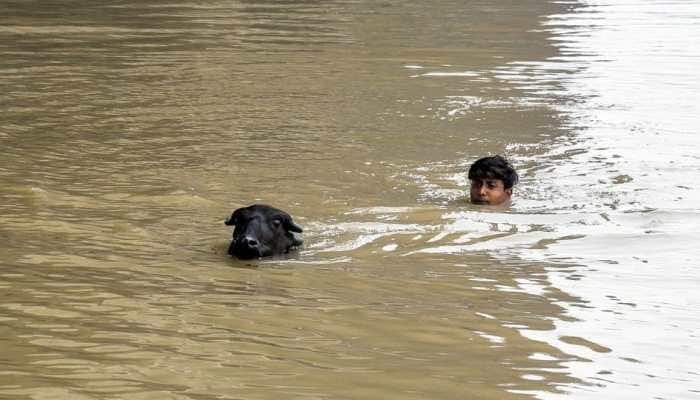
[{"x": 261, "y": 231}]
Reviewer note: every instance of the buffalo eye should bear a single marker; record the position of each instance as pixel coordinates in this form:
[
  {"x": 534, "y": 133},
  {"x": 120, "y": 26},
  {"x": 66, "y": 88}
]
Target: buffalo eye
[{"x": 276, "y": 223}]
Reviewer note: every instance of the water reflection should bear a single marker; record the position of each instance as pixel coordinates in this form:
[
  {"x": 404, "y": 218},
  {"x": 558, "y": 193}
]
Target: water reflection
[{"x": 610, "y": 193}]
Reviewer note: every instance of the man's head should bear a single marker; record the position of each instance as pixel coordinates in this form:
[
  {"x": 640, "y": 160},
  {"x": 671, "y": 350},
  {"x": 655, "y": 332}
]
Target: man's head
[{"x": 492, "y": 180}]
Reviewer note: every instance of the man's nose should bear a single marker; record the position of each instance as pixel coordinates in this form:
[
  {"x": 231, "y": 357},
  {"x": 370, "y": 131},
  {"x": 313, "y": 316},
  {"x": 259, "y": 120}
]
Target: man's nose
[{"x": 482, "y": 190}]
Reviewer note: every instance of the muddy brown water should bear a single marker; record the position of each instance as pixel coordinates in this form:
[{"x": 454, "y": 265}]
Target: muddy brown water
[{"x": 129, "y": 130}]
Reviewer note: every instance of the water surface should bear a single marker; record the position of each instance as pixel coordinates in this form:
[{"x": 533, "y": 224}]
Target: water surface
[{"x": 131, "y": 130}]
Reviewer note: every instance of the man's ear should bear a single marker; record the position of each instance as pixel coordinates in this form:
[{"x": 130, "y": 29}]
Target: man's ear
[{"x": 509, "y": 191}]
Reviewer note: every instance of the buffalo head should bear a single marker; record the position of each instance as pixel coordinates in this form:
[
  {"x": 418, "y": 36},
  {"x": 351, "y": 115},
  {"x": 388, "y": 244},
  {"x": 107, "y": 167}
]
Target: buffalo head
[{"x": 262, "y": 231}]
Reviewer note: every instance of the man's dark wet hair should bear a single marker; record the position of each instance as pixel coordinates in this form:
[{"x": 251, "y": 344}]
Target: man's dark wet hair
[{"x": 494, "y": 167}]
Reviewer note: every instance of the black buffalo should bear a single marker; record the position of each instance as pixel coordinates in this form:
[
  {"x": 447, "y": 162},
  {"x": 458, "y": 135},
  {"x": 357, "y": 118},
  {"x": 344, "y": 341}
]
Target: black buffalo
[{"x": 262, "y": 231}]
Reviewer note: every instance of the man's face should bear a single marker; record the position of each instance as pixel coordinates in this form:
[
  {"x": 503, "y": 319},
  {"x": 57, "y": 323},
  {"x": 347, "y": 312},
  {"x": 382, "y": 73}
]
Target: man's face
[{"x": 489, "y": 191}]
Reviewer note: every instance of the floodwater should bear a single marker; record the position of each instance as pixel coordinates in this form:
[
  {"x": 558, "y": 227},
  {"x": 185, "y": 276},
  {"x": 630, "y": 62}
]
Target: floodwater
[{"x": 131, "y": 129}]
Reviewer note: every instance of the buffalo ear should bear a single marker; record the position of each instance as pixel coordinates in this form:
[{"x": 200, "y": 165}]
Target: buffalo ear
[
  {"x": 233, "y": 219},
  {"x": 297, "y": 240},
  {"x": 291, "y": 226}
]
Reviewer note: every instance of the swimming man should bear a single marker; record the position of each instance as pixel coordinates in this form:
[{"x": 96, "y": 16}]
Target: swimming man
[{"x": 492, "y": 180}]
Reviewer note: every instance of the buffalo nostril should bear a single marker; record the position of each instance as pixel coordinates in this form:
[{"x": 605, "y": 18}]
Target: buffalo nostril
[{"x": 250, "y": 242}]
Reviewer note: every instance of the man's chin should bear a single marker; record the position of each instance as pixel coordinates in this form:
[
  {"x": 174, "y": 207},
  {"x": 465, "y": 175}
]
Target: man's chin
[{"x": 480, "y": 202}]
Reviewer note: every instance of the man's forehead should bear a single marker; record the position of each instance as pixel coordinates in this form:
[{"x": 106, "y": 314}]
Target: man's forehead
[{"x": 487, "y": 179}]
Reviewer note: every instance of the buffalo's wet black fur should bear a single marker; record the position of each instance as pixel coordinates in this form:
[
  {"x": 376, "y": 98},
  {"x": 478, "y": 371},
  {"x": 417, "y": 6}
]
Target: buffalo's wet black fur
[{"x": 262, "y": 231}]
